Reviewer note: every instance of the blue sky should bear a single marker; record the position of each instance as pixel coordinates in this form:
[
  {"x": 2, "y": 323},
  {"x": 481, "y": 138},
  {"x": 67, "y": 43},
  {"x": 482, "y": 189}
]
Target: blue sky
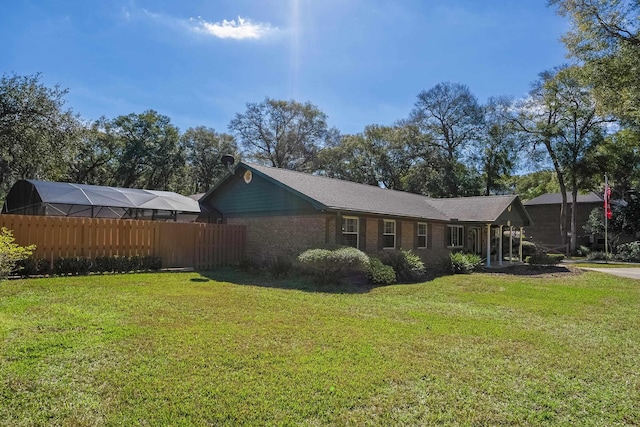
[{"x": 200, "y": 61}]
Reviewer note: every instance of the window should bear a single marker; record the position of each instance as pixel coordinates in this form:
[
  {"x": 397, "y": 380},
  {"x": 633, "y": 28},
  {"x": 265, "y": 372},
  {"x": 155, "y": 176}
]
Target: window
[
  {"x": 455, "y": 236},
  {"x": 350, "y": 230},
  {"x": 422, "y": 235},
  {"x": 389, "y": 234}
]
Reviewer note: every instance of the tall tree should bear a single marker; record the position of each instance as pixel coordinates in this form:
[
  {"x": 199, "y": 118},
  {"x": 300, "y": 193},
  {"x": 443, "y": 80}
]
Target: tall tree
[
  {"x": 450, "y": 114},
  {"x": 283, "y": 134},
  {"x": 497, "y": 152},
  {"x": 151, "y": 155},
  {"x": 605, "y": 36},
  {"x": 619, "y": 156},
  {"x": 534, "y": 184},
  {"x": 203, "y": 148},
  {"x": 37, "y": 132},
  {"x": 394, "y": 153},
  {"x": 351, "y": 158},
  {"x": 381, "y": 155},
  {"x": 560, "y": 114},
  {"x": 97, "y": 155}
]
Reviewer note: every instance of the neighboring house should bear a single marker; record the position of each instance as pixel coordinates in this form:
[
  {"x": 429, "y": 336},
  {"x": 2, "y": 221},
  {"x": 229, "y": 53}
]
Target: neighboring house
[
  {"x": 287, "y": 212},
  {"x": 545, "y": 212}
]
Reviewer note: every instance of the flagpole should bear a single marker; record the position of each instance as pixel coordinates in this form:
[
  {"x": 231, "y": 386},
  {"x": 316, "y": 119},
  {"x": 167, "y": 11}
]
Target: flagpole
[{"x": 606, "y": 219}]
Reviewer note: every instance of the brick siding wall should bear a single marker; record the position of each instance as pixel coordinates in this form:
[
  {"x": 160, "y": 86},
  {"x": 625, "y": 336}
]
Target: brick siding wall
[
  {"x": 546, "y": 223},
  {"x": 431, "y": 256},
  {"x": 272, "y": 236}
]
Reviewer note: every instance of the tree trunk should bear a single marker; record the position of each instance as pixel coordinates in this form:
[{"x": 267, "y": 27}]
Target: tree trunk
[
  {"x": 563, "y": 191},
  {"x": 574, "y": 216}
]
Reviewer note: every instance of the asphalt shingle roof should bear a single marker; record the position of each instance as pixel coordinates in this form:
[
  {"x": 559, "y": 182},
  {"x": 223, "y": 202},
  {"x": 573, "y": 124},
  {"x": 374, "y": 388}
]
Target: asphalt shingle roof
[
  {"x": 474, "y": 209},
  {"x": 343, "y": 195},
  {"x": 556, "y": 199}
]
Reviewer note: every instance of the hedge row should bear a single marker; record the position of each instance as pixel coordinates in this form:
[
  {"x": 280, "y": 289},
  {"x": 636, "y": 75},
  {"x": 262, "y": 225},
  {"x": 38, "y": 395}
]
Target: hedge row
[
  {"x": 330, "y": 266},
  {"x": 544, "y": 259},
  {"x": 80, "y": 265}
]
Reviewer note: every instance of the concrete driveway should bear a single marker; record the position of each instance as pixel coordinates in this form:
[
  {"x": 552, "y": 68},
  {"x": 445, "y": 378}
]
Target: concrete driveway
[{"x": 631, "y": 273}]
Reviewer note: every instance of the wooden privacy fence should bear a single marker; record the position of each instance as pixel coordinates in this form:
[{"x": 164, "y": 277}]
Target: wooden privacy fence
[{"x": 197, "y": 245}]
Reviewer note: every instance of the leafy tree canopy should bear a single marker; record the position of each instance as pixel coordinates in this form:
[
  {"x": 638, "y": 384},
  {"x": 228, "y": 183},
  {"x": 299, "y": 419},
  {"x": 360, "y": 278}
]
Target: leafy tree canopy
[
  {"x": 605, "y": 36},
  {"x": 283, "y": 134},
  {"x": 203, "y": 148},
  {"x": 37, "y": 132}
]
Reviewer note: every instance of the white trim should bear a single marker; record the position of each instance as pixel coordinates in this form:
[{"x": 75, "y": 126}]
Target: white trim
[
  {"x": 384, "y": 232},
  {"x": 500, "y": 246},
  {"x": 357, "y": 232},
  {"x": 425, "y": 235},
  {"x": 459, "y": 236},
  {"x": 488, "y": 245}
]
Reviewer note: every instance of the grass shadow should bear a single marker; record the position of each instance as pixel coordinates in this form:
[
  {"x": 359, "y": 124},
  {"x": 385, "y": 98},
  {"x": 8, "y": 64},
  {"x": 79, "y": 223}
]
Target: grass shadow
[
  {"x": 351, "y": 285},
  {"x": 535, "y": 270}
]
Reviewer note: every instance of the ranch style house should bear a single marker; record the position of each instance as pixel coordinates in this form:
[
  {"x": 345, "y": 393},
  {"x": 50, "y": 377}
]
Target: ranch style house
[{"x": 287, "y": 212}]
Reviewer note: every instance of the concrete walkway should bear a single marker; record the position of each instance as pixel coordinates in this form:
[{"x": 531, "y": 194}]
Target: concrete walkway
[{"x": 631, "y": 273}]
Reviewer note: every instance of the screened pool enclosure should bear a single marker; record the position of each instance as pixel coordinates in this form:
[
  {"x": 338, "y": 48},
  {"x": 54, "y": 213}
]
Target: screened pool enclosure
[{"x": 33, "y": 197}]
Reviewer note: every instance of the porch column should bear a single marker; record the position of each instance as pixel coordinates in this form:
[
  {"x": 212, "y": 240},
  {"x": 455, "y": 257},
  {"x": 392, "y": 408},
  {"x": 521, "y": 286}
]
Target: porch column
[
  {"x": 510, "y": 245},
  {"x": 488, "y": 245},
  {"x": 500, "y": 246},
  {"x": 520, "y": 252}
]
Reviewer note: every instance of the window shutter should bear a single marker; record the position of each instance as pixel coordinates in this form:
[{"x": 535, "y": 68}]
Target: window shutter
[
  {"x": 380, "y": 234},
  {"x": 398, "y": 234},
  {"x": 338, "y": 240},
  {"x": 363, "y": 234},
  {"x": 429, "y": 233},
  {"x": 415, "y": 235},
  {"x": 446, "y": 235}
]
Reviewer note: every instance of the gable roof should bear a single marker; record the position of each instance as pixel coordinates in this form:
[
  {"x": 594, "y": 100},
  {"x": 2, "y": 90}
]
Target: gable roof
[
  {"x": 345, "y": 196},
  {"x": 337, "y": 194},
  {"x": 475, "y": 209},
  {"x": 556, "y": 199}
]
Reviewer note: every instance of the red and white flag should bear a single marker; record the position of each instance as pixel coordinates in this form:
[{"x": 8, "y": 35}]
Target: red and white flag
[{"x": 607, "y": 200}]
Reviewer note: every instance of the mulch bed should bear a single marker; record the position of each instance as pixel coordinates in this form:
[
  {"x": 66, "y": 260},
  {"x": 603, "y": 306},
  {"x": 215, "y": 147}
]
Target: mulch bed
[{"x": 537, "y": 270}]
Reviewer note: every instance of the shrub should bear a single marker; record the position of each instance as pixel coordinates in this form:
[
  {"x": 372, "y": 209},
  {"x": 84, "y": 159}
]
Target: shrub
[
  {"x": 583, "y": 251},
  {"x": 350, "y": 259},
  {"x": 544, "y": 259},
  {"x": 461, "y": 263},
  {"x": 379, "y": 273},
  {"x": 71, "y": 265},
  {"x": 106, "y": 264},
  {"x": 528, "y": 249},
  {"x": 600, "y": 256},
  {"x": 246, "y": 264},
  {"x": 11, "y": 253},
  {"x": 407, "y": 265},
  {"x": 329, "y": 265},
  {"x": 32, "y": 267},
  {"x": 279, "y": 267},
  {"x": 125, "y": 264},
  {"x": 152, "y": 263},
  {"x": 629, "y": 252}
]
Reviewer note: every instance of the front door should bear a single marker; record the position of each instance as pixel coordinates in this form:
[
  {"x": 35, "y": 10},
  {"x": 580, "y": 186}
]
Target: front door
[{"x": 475, "y": 240}]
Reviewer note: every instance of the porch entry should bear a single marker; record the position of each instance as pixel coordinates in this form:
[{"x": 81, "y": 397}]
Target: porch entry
[{"x": 474, "y": 240}]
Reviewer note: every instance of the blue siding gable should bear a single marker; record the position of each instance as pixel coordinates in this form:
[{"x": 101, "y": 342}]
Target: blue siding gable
[{"x": 260, "y": 196}]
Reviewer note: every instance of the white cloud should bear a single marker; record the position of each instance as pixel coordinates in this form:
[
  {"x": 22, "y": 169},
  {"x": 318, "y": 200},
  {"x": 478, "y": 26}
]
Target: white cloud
[{"x": 238, "y": 30}]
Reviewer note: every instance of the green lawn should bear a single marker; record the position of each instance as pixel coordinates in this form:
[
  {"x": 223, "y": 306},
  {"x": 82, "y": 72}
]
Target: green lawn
[{"x": 186, "y": 349}]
